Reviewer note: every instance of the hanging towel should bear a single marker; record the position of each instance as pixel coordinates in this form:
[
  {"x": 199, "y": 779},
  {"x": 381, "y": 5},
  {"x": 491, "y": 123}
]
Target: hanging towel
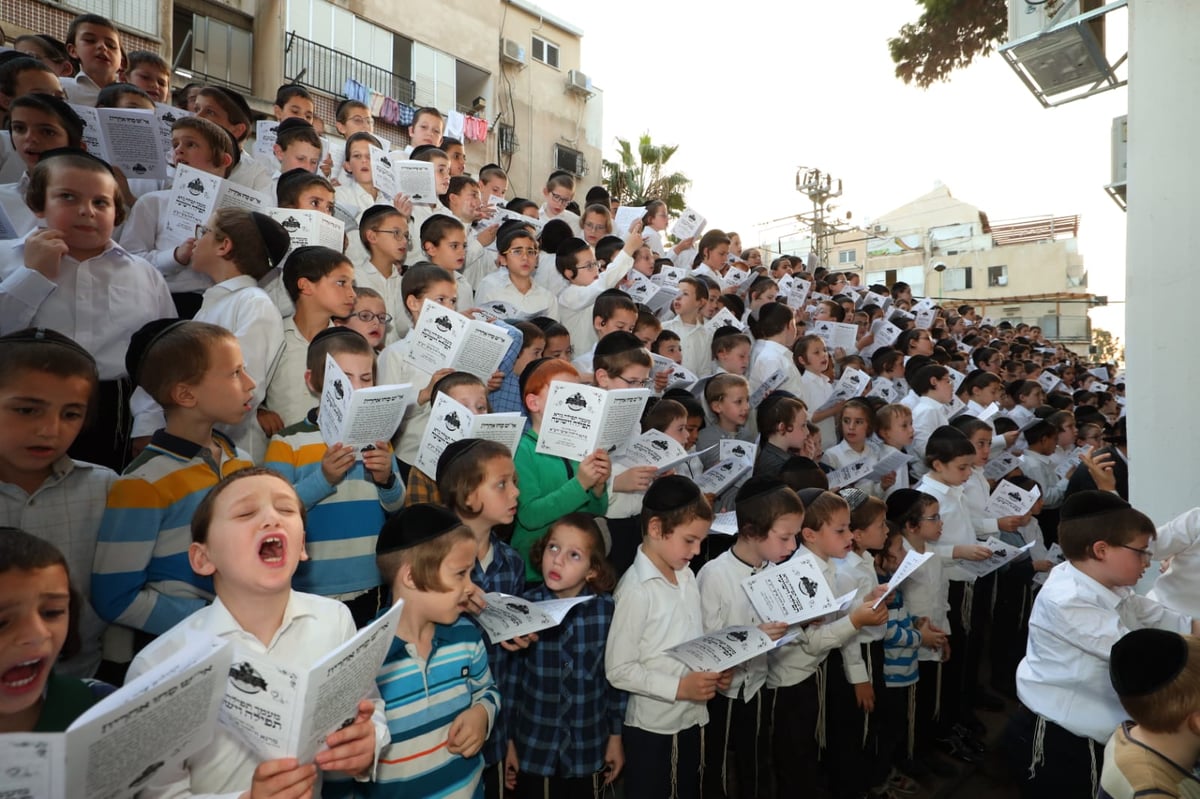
[
  {"x": 454, "y": 125},
  {"x": 391, "y": 111},
  {"x": 407, "y": 113},
  {"x": 376, "y": 103}
]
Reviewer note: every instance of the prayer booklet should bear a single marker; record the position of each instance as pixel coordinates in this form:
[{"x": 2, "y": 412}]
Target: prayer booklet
[
  {"x": 196, "y": 196},
  {"x": 580, "y": 419},
  {"x": 360, "y": 417},
  {"x": 446, "y": 339},
  {"x": 127, "y": 138},
  {"x": 794, "y": 591},
  {"x": 450, "y": 421},
  {"x": 507, "y": 617},
  {"x": 724, "y": 649},
  {"x": 308, "y": 228}
]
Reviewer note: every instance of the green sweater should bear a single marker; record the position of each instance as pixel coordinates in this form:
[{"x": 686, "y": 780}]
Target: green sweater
[{"x": 550, "y": 489}]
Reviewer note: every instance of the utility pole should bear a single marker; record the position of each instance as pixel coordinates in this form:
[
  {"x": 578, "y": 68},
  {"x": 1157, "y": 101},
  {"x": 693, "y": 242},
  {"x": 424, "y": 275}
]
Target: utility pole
[{"x": 820, "y": 187}]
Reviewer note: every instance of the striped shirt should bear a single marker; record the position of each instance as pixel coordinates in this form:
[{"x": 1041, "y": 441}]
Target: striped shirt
[
  {"x": 343, "y": 520},
  {"x": 422, "y": 698},
  {"x": 900, "y": 644},
  {"x": 141, "y": 577}
]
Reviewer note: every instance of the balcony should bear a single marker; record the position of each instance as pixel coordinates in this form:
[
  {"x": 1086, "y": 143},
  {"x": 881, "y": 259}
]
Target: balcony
[{"x": 326, "y": 70}]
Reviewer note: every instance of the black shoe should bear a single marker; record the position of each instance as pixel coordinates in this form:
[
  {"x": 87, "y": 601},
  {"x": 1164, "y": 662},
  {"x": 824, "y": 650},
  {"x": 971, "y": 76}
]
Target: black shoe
[
  {"x": 937, "y": 767},
  {"x": 986, "y": 700},
  {"x": 967, "y": 739}
]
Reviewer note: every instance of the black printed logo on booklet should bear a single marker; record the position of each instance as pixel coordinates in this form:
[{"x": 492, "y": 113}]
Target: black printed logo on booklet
[
  {"x": 660, "y": 444},
  {"x": 290, "y": 224},
  {"x": 443, "y": 324},
  {"x": 246, "y": 679},
  {"x": 576, "y": 402},
  {"x": 338, "y": 389},
  {"x": 1014, "y": 496},
  {"x": 517, "y": 607},
  {"x": 452, "y": 421},
  {"x": 169, "y": 117},
  {"x": 140, "y": 169},
  {"x": 808, "y": 587},
  {"x": 738, "y": 635},
  {"x": 383, "y": 159},
  {"x": 728, "y": 467},
  {"x": 196, "y": 187},
  {"x": 739, "y": 451}
]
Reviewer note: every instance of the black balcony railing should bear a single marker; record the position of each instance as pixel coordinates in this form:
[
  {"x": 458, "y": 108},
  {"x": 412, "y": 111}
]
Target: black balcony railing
[{"x": 325, "y": 69}]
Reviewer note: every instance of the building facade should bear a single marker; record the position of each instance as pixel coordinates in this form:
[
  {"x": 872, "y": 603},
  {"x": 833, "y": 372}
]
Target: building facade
[{"x": 506, "y": 62}]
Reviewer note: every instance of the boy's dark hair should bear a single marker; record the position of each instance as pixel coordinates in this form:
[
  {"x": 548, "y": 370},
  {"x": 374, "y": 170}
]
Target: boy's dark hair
[
  {"x": 619, "y": 350},
  {"x": 219, "y": 140},
  {"x": 945, "y": 444},
  {"x": 520, "y": 205},
  {"x": 1039, "y": 431},
  {"x": 776, "y": 411},
  {"x": 606, "y": 577},
  {"x": 530, "y": 334},
  {"x": 646, "y": 318},
  {"x": 11, "y": 70},
  {"x": 689, "y": 401},
  {"x": 611, "y": 301},
  {"x": 560, "y": 180},
  {"x": 607, "y": 248},
  {"x": 426, "y": 110},
  {"x": 250, "y": 252},
  {"x": 555, "y": 233},
  {"x": 511, "y": 232},
  {"x": 566, "y": 259},
  {"x": 663, "y": 337},
  {"x": 238, "y": 113},
  {"x": 452, "y": 381},
  {"x": 970, "y": 425},
  {"x": 48, "y": 351},
  {"x": 298, "y": 133},
  {"x": 355, "y": 138},
  {"x": 730, "y": 302},
  {"x": 335, "y": 341},
  {"x": 1089, "y": 517},
  {"x": 922, "y": 381},
  {"x": 309, "y": 263},
  {"x": 22, "y": 551},
  {"x": 1003, "y": 424},
  {"x": 139, "y": 58},
  {"x": 687, "y": 506},
  {"x": 800, "y": 473},
  {"x": 820, "y": 511},
  {"x": 724, "y": 342},
  {"x": 906, "y": 507},
  {"x": 288, "y": 192},
  {"x": 598, "y": 195},
  {"x": 884, "y": 359},
  {"x": 111, "y": 94},
  {"x": 659, "y": 415},
  {"x": 772, "y": 319},
  {"x": 428, "y": 152},
  {"x": 419, "y": 277},
  {"x": 90, "y": 19},
  {"x": 437, "y": 227},
  {"x": 289, "y": 90},
  {"x": 375, "y": 221},
  {"x": 760, "y": 502},
  {"x": 490, "y": 171},
  {"x": 72, "y": 123},
  {"x": 458, "y": 478},
  {"x": 698, "y": 285},
  {"x": 181, "y": 353},
  {"x": 39, "y": 180},
  {"x": 203, "y": 516},
  {"x": 866, "y": 514}
]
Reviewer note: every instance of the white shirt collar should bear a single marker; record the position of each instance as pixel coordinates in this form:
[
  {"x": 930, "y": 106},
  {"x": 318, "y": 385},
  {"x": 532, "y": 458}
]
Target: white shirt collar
[{"x": 221, "y": 621}]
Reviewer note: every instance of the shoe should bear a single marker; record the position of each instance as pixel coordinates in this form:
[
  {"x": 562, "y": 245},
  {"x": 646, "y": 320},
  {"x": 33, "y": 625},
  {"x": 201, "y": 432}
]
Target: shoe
[
  {"x": 899, "y": 783},
  {"x": 913, "y": 768},
  {"x": 986, "y": 700},
  {"x": 968, "y": 739},
  {"x": 937, "y": 767},
  {"x": 954, "y": 746}
]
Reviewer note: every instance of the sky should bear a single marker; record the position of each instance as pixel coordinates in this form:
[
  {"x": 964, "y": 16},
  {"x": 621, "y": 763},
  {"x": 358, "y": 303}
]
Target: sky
[{"x": 750, "y": 96}]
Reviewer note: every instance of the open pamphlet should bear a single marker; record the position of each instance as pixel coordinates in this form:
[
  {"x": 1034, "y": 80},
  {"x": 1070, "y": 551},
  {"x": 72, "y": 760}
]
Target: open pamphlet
[
  {"x": 164, "y": 716},
  {"x": 308, "y": 228},
  {"x": 443, "y": 339},
  {"x": 690, "y": 224},
  {"x": 670, "y": 276},
  {"x": 654, "y": 296},
  {"x": 450, "y": 421},
  {"x": 358, "y": 417},
  {"x": 1001, "y": 465},
  {"x": 836, "y": 334},
  {"x": 724, "y": 475},
  {"x": 196, "y": 196},
  {"x": 769, "y": 384},
  {"x": 1055, "y": 555},
  {"x": 853, "y": 383},
  {"x": 724, "y": 524},
  {"x": 723, "y": 318},
  {"x": 912, "y": 561},
  {"x": 417, "y": 179},
  {"x": 579, "y": 419},
  {"x": 626, "y": 215},
  {"x": 1002, "y": 553},
  {"x": 165, "y": 117},
  {"x": 794, "y": 591},
  {"x": 890, "y": 459},
  {"x": 266, "y": 133},
  {"x": 678, "y": 375},
  {"x": 280, "y": 711},
  {"x": 507, "y": 616},
  {"x": 498, "y": 309},
  {"x": 735, "y": 448},
  {"x": 1009, "y": 500},
  {"x": 724, "y": 649},
  {"x": 652, "y": 448},
  {"x": 127, "y": 138}
]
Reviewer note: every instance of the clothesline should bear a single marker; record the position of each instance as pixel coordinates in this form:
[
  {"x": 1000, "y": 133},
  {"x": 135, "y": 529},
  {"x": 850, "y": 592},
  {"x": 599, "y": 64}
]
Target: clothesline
[{"x": 458, "y": 125}]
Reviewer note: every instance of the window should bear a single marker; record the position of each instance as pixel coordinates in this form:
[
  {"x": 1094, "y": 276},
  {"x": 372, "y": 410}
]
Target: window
[
  {"x": 508, "y": 138},
  {"x": 219, "y": 52},
  {"x": 847, "y": 256},
  {"x": 956, "y": 279},
  {"x": 997, "y": 276},
  {"x": 570, "y": 160},
  {"x": 139, "y": 16},
  {"x": 545, "y": 51}
]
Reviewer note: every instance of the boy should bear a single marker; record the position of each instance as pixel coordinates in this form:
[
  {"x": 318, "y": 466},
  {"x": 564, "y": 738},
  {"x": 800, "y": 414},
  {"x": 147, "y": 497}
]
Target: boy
[
  {"x": 444, "y": 242},
  {"x": 1036, "y": 463},
  {"x": 45, "y": 393},
  {"x": 513, "y": 283},
  {"x": 22, "y": 76},
  {"x": 769, "y": 517},
  {"x": 384, "y": 233},
  {"x": 727, "y": 398},
  {"x": 421, "y": 212},
  {"x": 304, "y": 191},
  {"x": 248, "y": 538},
  {"x": 202, "y": 145},
  {"x": 347, "y": 496},
  {"x": 440, "y": 698},
  {"x": 1156, "y": 674},
  {"x": 658, "y": 606},
  {"x": 1085, "y": 607},
  {"x": 37, "y": 123},
  {"x": 297, "y": 146},
  {"x": 194, "y": 371},
  {"x": 320, "y": 283},
  {"x": 559, "y": 191},
  {"x": 292, "y": 101},
  {"x": 426, "y": 130},
  {"x": 576, "y": 262},
  {"x": 612, "y": 311},
  {"x": 457, "y": 155},
  {"x": 74, "y": 280},
  {"x": 92, "y": 40},
  {"x": 463, "y": 200},
  {"x": 230, "y": 110},
  {"x": 493, "y": 181},
  {"x": 695, "y": 340},
  {"x": 150, "y": 73}
]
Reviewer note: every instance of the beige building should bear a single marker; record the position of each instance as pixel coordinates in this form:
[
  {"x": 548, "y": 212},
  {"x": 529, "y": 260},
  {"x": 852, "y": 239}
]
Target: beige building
[
  {"x": 1027, "y": 270},
  {"x": 503, "y": 61}
]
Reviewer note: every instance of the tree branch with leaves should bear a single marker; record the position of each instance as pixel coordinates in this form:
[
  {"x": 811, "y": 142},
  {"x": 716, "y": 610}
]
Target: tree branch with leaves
[{"x": 949, "y": 35}]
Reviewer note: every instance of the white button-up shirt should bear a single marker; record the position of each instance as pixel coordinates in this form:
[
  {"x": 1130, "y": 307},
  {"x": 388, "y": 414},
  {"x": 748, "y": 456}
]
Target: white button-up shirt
[
  {"x": 368, "y": 276},
  {"x": 769, "y": 357},
  {"x": 957, "y": 529},
  {"x": 927, "y": 593},
  {"x": 312, "y": 627},
  {"x": 695, "y": 342},
  {"x": 498, "y": 286},
  {"x": 1072, "y": 629},
  {"x": 652, "y": 615},
  {"x": 100, "y": 302},
  {"x": 145, "y": 234},
  {"x": 725, "y": 603},
  {"x": 12, "y": 201}
]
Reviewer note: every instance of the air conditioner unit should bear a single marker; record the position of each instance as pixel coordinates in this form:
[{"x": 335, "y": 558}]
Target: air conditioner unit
[
  {"x": 579, "y": 83},
  {"x": 878, "y": 229},
  {"x": 512, "y": 52},
  {"x": 1026, "y": 18},
  {"x": 1120, "y": 147}
]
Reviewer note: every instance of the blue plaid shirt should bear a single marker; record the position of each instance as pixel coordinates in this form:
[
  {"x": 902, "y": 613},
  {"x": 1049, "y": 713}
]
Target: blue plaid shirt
[
  {"x": 506, "y": 575},
  {"x": 507, "y": 398},
  {"x": 563, "y": 707}
]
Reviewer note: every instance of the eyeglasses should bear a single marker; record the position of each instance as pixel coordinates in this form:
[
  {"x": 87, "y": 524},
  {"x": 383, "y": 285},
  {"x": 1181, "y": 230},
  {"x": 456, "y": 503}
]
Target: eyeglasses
[
  {"x": 560, "y": 198},
  {"x": 520, "y": 252},
  {"x": 937, "y": 517},
  {"x": 399, "y": 233},
  {"x": 367, "y": 316},
  {"x": 589, "y": 265},
  {"x": 635, "y": 383},
  {"x": 1146, "y": 554},
  {"x": 361, "y": 120},
  {"x": 202, "y": 230},
  {"x": 592, "y": 227}
]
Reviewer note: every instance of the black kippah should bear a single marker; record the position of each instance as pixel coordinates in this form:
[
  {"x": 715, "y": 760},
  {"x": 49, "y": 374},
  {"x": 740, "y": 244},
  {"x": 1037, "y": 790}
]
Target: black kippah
[
  {"x": 798, "y": 463},
  {"x": 44, "y": 335},
  {"x": 1145, "y": 661},
  {"x": 571, "y": 246},
  {"x": 292, "y": 123},
  {"x": 274, "y": 236},
  {"x": 1085, "y": 504},
  {"x": 809, "y": 495},
  {"x": 758, "y": 486},
  {"x": 141, "y": 342},
  {"x": 527, "y": 373},
  {"x": 901, "y": 501},
  {"x": 454, "y": 451},
  {"x": 670, "y": 493},
  {"x": 336, "y": 330},
  {"x": 617, "y": 342},
  {"x": 415, "y": 525}
]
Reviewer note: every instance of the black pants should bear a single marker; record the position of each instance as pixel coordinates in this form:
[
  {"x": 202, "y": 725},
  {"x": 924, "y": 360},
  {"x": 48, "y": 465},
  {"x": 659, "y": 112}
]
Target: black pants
[
  {"x": 493, "y": 781},
  {"x": 955, "y": 671},
  {"x": 981, "y": 626},
  {"x": 660, "y": 766},
  {"x": 744, "y": 748},
  {"x": 106, "y": 440},
  {"x": 187, "y": 303},
  {"x": 931, "y": 720},
  {"x": 1048, "y": 521},
  {"x": 795, "y": 755},
  {"x": 365, "y": 607},
  {"x": 891, "y": 726},
  {"x": 626, "y": 536},
  {"x": 1009, "y": 629},
  {"x": 844, "y": 720},
  {"x": 1067, "y": 761},
  {"x": 531, "y": 786}
]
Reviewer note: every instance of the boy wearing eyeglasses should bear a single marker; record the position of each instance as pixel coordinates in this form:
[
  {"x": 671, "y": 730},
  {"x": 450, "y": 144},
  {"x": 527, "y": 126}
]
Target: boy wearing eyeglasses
[
  {"x": 513, "y": 283},
  {"x": 559, "y": 192},
  {"x": 370, "y": 317},
  {"x": 577, "y": 263},
  {"x": 384, "y": 233}
]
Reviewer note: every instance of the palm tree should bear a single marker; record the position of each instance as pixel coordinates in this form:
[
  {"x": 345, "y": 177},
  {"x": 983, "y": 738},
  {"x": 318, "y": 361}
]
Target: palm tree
[{"x": 637, "y": 178}]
